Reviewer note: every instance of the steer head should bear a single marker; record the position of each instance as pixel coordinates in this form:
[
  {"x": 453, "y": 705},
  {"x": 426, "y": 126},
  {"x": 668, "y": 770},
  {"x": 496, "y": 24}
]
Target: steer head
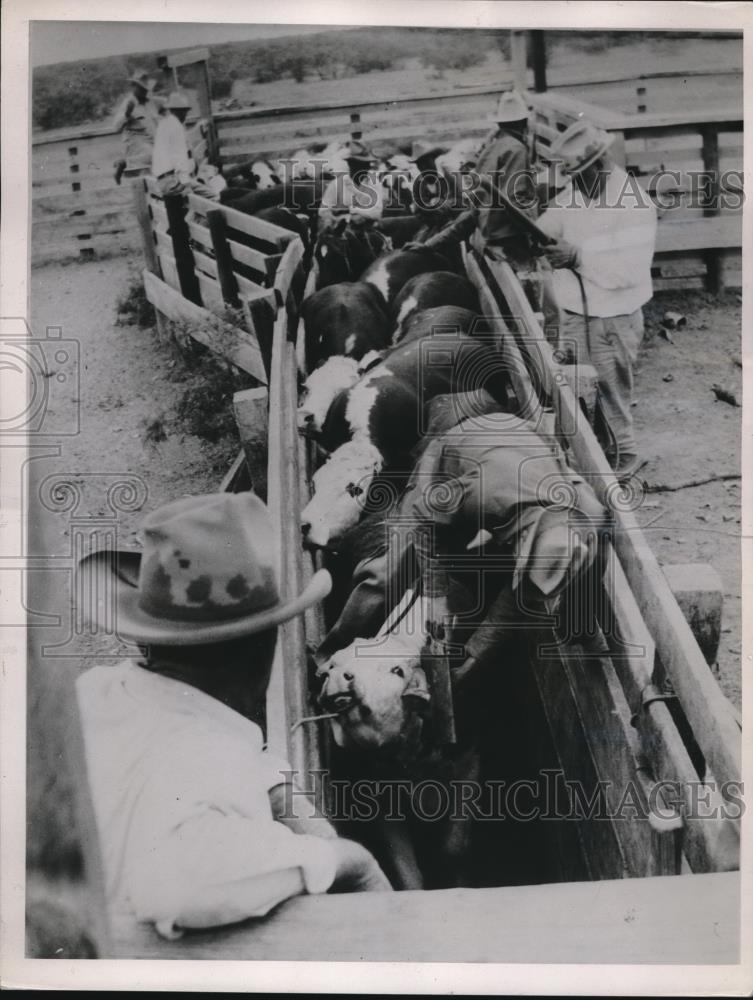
[
  {"x": 380, "y": 692},
  {"x": 337, "y": 374},
  {"x": 341, "y": 488}
]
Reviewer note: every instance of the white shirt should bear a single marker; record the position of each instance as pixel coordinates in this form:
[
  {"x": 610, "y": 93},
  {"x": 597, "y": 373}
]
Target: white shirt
[
  {"x": 615, "y": 234},
  {"x": 180, "y": 788},
  {"x": 171, "y": 148},
  {"x": 343, "y": 194}
]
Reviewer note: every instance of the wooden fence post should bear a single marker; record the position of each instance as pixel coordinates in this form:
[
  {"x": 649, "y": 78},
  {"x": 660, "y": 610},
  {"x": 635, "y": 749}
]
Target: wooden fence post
[
  {"x": 710, "y": 154},
  {"x": 518, "y": 60},
  {"x": 538, "y": 56},
  {"x": 223, "y": 257},
  {"x": 251, "y": 409},
  {"x": 175, "y": 206},
  {"x": 356, "y": 132},
  {"x": 141, "y": 205}
]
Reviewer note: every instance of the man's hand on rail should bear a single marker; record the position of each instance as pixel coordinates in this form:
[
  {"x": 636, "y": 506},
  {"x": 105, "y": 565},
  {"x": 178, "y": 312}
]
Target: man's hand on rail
[{"x": 357, "y": 870}]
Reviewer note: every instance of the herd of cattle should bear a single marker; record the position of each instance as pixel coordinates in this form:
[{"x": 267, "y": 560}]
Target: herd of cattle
[
  {"x": 404, "y": 386},
  {"x": 436, "y": 506}
]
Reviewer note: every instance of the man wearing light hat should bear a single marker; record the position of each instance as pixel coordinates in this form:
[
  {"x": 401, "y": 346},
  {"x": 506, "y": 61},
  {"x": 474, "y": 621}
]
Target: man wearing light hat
[
  {"x": 355, "y": 196},
  {"x": 605, "y": 228},
  {"x": 137, "y": 118},
  {"x": 172, "y": 164},
  {"x": 505, "y": 159},
  {"x": 189, "y": 805}
]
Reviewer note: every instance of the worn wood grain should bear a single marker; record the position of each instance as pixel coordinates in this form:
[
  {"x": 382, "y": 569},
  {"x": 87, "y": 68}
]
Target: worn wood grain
[{"x": 688, "y": 919}]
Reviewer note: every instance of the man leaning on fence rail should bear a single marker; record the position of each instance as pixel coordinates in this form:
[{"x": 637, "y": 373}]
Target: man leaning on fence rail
[{"x": 197, "y": 821}]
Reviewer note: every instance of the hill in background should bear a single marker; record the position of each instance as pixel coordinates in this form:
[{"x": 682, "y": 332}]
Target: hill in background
[{"x": 74, "y": 93}]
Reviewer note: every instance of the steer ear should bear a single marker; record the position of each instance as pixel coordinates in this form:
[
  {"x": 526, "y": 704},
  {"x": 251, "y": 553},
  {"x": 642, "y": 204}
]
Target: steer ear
[{"x": 417, "y": 689}]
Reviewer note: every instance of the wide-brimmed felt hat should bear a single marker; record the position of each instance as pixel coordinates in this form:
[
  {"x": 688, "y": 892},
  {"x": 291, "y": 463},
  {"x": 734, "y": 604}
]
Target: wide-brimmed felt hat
[
  {"x": 178, "y": 101},
  {"x": 357, "y": 152},
  {"x": 579, "y": 146},
  {"x": 423, "y": 150},
  {"x": 206, "y": 574},
  {"x": 142, "y": 78},
  {"x": 510, "y": 108}
]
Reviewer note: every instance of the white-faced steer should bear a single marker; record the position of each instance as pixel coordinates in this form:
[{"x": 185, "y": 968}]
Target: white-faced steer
[
  {"x": 426, "y": 291},
  {"x": 348, "y": 318},
  {"x": 382, "y": 417},
  {"x": 390, "y": 272}
]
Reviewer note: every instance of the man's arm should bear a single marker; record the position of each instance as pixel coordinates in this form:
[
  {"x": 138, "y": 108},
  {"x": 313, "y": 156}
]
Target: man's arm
[{"x": 123, "y": 114}]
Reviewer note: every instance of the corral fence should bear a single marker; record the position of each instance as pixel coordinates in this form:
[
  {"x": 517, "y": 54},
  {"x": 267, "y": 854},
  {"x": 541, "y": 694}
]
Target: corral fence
[{"x": 692, "y": 159}]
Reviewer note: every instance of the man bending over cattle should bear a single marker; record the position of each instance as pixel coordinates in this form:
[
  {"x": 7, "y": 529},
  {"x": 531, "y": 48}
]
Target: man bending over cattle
[
  {"x": 484, "y": 507},
  {"x": 192, "y": 811}
]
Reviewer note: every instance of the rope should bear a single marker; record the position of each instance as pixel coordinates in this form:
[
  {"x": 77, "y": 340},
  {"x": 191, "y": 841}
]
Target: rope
[{"x": 612, "y": 440}]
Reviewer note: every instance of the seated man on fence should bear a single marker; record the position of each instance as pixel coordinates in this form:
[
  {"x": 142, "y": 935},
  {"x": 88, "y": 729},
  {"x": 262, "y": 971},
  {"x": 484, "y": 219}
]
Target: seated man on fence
[
  {"x": 356, "y": 197},
  {"x": 198, "y": 824},
  {"x": 172, "y": 164}
]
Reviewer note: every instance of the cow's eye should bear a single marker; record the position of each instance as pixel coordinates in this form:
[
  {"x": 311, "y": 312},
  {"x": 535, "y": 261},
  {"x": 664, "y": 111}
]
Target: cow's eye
[
  {"x": 352, "y": 490},
  {"x": 399, "y": 671}
]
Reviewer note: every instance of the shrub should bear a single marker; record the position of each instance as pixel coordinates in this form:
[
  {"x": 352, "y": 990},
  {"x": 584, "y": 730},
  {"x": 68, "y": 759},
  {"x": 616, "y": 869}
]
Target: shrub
[
  {"x": 133, "y": 307},
  {"x": 222, "y": 86}
]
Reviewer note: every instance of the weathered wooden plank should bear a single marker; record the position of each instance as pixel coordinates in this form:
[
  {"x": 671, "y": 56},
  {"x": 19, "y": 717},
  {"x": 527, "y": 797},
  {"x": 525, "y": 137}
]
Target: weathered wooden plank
[
  {"x": 159, "y": 213},
  {"x": 234, "y": 474},
  {"x": 211, "y": 293},
  {"x": 109, "y": 224},
  {"x": 237, "y": 346},
  {"x": 248, "y": 224},
  {"x": 199, "y": 234},
  {"x": 205, "y": 263},
  {"x": 251, "y": 409},
  {"x": 167, "y": 264},
  {"x": 616, "y": 751},
  {"x": 65, "y": 202},
  {"x": 263, "y": 263},
  {"x": 691, "y": 919},
  {"x": 601, "y": 848},
  {"x": 177, "y": 59},
  {"x": 700, "y": 234},
  {"x": 96, "y": 247},
  {"x": 290, "y": 262},
  {"x": 527, "y": 398}
]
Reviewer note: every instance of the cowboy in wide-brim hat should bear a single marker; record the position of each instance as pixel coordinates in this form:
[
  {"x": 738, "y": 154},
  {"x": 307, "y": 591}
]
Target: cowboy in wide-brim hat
[
  {"x": 137, "y": 118},
  {"x": 193, "y": 811},
  {"x": 579, "y": 147},
  {"x": 424, "y": 154},
  {"x": 505, "y": 163},
  {"x": 140, "y": 78},
  {"x": 510, "y": 108},
  {"x": 206, "y": 575}
]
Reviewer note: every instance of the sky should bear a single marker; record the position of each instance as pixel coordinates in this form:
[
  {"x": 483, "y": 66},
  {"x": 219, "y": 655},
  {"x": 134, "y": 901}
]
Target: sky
[{"x": 66, "y": 41}]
